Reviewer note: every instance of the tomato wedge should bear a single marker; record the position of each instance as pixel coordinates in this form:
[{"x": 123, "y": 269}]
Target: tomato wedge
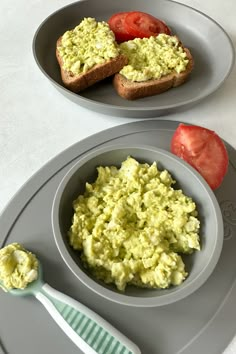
[
  {"x": 140, "y": 24},
  {"x": 116, "y": 24},
  {"x": 204, "y": 150}
]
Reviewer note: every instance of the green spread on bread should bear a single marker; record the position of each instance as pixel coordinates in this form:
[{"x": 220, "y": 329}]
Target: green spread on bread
[
  {"x": 88, "y": 44},
  {"x": 153, "y": 57}
]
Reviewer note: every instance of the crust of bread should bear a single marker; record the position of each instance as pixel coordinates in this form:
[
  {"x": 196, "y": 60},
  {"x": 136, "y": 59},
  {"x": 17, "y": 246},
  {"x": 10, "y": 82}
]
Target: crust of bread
[
  {"x": 77, "y": 83},
  {"x": 133, "y": 90}
]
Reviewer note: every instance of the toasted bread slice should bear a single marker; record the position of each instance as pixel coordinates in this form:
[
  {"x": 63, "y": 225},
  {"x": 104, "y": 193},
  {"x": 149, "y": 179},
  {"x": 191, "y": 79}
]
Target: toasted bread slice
[
  {"x": 97, "y": 73},
  {"x": 132, "y": 90}
]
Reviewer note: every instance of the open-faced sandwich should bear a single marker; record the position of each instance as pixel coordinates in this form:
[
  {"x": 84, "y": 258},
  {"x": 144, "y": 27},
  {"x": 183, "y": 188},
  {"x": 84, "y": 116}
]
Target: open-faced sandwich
[
  {"x": 88, "y": 54},
  {"x": 155, "y": 65},
  {"x": 149, "y": 61}
]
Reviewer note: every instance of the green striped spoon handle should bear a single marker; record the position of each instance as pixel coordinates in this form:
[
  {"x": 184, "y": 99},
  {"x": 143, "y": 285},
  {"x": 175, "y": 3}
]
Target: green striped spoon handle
[{"x": 89, "y": 331}]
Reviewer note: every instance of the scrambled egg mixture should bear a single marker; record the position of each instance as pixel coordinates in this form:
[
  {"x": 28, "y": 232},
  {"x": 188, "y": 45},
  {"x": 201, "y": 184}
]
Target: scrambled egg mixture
[
  {"x": 88, "y": 44},
  {"x": 93, "y": 42},
  {"x": 152, "y": 58},
  {"x": 18, "y": 267},
  {"x": 130, "y": 226}
]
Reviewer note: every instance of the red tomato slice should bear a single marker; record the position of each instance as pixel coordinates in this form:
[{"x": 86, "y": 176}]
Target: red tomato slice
[
  {"x": 116, "y": 23},
  {"x": 139, "y": 24},
  {"x": 204, "y": 150}
]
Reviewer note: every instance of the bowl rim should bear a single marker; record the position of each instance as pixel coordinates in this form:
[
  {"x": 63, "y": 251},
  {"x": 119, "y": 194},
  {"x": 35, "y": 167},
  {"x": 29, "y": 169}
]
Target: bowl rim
[{"x": 122, "y": 298}]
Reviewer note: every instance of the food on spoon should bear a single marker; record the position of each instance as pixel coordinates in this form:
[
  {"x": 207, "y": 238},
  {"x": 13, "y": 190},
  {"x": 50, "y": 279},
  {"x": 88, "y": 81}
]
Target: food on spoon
[
  {"x": 155, "y": 65},
  {"x": 18, "y": 267},
  {"x": 88, "y": 54},
  {"x": 136, "y": 24},
  {"x": 203, "y": 149},
  {"x": 130, "y": 226}
]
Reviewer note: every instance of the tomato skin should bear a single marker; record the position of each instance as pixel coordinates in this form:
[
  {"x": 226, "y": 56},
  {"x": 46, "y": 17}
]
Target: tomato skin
[
  {"x": 116, "y": 24},
  {"x": 136, "y": 24},
  {"x": 204, "y": 150},
  {"x": 141, "y": 25}
]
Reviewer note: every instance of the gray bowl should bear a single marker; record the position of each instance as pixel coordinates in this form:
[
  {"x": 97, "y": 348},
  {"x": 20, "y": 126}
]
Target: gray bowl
[
  {"x": 203, "y": 36},
  {"x": 199, "y": 265}
]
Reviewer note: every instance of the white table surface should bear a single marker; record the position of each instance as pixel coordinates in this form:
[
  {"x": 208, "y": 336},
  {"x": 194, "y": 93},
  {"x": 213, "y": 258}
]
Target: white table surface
[{"x": 37, "y": 123}]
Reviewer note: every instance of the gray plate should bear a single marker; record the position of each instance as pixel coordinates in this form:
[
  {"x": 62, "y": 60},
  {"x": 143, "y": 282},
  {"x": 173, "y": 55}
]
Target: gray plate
[
  {"x": 202, "y": 35},
  {"x": 204, "y": 322}
]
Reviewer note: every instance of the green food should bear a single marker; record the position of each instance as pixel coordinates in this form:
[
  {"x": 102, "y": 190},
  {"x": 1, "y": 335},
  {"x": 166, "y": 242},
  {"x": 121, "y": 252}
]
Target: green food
[
  {"x": 88, "y": 44},
  {"x": 152, "y": 58},
  {"x": 18, "y": 267},
  {"x": 130, "y": 226}
]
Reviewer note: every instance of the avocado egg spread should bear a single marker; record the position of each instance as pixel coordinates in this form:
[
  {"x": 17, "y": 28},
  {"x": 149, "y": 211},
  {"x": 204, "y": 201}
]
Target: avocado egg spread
[
  {"x": 88, "y": 44},
  {"x": 153, "y": 57},
  {"x": 18, "y": 267},
  {"x": 91, "y": 43},
  {"x": 131, "y": 226}
]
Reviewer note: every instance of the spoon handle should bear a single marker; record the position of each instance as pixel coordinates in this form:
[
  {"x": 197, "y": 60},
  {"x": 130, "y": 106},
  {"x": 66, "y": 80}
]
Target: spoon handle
[{"x": 90, "y": 332}]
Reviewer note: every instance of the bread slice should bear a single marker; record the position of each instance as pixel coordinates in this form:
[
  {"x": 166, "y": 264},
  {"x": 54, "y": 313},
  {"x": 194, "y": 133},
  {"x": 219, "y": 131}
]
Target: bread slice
[
  {"x": 132, "y": 90},
  {"x": 77, "y": 83}
]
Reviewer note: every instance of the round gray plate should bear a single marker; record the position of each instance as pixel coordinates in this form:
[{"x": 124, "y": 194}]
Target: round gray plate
[
  {"x": 202, "y": 35},
  {"x": 204, "y": 322}
]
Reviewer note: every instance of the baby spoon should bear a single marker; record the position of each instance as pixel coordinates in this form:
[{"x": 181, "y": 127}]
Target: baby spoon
[{"x": 90, "y": 332}]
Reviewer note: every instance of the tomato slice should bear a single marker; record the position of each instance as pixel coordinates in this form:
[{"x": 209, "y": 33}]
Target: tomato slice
[
  {"x": 116, "y": 23},
  {"x": 204, "y": 150},
  {"x": 140, "y": 24}
]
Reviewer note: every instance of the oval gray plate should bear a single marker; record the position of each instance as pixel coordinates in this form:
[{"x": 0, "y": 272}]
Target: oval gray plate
[{"x": 202, "y": 35}]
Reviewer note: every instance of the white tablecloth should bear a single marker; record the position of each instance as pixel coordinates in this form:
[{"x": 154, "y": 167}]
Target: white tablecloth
[{"x": 37, "y": 123}]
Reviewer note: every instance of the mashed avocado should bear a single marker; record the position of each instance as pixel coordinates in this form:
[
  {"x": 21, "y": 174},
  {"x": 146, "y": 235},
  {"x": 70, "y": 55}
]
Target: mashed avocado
[
  {"x": 88, "y": 44},
  {"x": 152, "y": 58},
  {"x": 18, "y": 267},
  {"x": 130, "y": 226}
]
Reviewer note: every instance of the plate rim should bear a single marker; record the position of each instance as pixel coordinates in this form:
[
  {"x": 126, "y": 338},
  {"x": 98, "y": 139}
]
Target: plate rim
[{"x": 47, "y": 171}]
